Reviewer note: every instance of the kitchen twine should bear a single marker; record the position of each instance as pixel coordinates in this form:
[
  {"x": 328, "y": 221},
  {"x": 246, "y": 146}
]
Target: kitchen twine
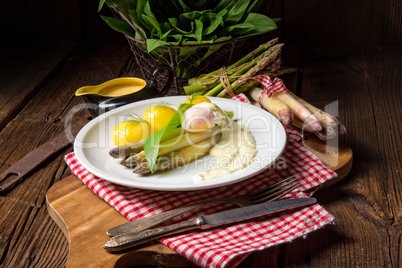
[
  {"x": 223, "y": 78},
  {"x": 227, "y": 246},
  {"x": 225, "y": 81},
  {"x": 210, "y": 78},
  {"x": 270, "y": 87}
]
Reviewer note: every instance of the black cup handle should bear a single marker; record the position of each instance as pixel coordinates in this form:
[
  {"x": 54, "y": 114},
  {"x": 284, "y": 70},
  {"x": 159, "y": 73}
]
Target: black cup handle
[{"x": 155, "y": 72}]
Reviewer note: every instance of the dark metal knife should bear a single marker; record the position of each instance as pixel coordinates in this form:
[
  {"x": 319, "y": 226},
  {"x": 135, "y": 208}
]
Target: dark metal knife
[
  {"x": 205, "y": 222},
  {"x": 32, "y": 160}
]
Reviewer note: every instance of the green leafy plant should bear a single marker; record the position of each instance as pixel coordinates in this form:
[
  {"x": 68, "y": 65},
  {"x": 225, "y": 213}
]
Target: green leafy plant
[{"x": 160, "y": 23}]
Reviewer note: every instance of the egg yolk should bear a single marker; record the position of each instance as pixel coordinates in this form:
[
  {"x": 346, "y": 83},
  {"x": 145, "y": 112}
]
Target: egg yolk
[
  {"x": 130, "y": 131},
  {"x": 197, "y": 99},
  {"x": 158, "y": 116}
]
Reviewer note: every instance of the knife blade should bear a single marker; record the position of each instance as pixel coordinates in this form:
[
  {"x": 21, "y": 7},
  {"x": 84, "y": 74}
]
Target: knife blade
[{"x": 126, "y": 241}]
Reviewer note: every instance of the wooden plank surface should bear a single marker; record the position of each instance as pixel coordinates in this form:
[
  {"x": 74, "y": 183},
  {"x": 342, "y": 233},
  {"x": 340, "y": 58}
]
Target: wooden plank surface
[
  {"x": 367, "y": 84},
  {"x": 367, "y": 204},
  {"x": 348, "y": 23},
  {"x": 37, "y": 63}
]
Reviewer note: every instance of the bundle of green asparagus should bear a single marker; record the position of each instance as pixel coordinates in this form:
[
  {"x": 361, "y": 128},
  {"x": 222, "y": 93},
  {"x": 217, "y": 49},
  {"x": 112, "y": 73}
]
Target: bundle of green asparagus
[{"x": 224, "y": 82}]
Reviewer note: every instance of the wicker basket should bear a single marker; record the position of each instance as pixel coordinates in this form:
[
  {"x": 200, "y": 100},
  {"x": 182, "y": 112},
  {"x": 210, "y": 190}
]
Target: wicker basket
[
  {"x": 197, "y": 59},
  {"x": 219, "y": 58}
]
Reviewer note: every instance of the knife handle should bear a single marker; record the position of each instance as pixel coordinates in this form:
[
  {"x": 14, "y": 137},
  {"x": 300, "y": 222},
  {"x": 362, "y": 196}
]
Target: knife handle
[
  {"x": 125, "y": 241},
  {"x": 150, "y": 221}
]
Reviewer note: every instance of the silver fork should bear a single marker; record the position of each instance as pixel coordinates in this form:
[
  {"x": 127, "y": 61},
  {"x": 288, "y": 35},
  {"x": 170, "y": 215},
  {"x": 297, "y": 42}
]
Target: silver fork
[{"x": 271, "y": 193}]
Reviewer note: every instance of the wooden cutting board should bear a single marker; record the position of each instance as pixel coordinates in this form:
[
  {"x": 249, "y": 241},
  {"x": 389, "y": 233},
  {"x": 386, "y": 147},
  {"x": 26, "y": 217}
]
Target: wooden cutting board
[{"x": 84, "y": 217}]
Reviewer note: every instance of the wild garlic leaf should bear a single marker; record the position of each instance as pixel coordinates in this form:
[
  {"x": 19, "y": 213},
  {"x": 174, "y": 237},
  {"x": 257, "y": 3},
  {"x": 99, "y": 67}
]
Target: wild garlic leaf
[
  {"x": 197, "y": 34},
  {"x": 185, "y": 51},
  {"x": 177, "y": 6},
  {"x": 245, "y": 26},
  {"x": 122, "y": 5},
  {"x": 101, "y": 3},
  {"x": 184, "y": 29},
  {"x": 211, "y": 22},
  {"x": 200, "y": 4},
  {"x": 222, "y": 13},
  {"x": 152, "y": 44},
  {"x": 165, "y": 35},
  {"x": 150, "y": 18},
  {"x": 174, "y": 21},
  {"x": 176, "y": 37},
  {"x": 225, "y": 4},
  {"x": 261, "y": 22},
  {"x": 152, "y": 142},
  {"x": 236, "y": 12},
  {"x": 139, "y": 9},
  {"x": 191, "y": 16},
  {"x": 119, "y": 25},
  {"x": 184, "y": 6},
  {"x": 257, "y": 6},
  {"x": 154, "y": 23},
  {"x": 137, "y": 24},
  {"x": 213, "y": 49}
]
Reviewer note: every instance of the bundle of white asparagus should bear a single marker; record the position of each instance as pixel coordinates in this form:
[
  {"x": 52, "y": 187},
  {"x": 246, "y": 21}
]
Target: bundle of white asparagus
[
  {"x": 177, "y": 148},
  {"x": 292, "y": 110}
]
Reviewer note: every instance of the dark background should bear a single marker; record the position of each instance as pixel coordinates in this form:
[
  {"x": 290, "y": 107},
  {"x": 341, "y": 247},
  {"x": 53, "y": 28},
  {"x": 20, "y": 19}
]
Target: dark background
[{"x": 345, "y": 23}]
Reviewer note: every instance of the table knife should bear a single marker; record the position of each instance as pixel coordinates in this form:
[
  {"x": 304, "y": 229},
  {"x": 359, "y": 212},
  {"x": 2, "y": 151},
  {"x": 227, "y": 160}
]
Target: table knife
[
  {"x": 35, "y": 158},
  {"x": 125, "y": 241}
]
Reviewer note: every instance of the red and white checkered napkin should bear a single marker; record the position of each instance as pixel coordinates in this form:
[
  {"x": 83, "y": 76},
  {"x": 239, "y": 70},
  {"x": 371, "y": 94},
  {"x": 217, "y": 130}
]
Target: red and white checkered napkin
[{"x": 227, "y": 246}]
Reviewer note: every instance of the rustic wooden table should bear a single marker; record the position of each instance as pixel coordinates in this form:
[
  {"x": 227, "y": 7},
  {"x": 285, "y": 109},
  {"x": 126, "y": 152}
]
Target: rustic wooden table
[{"x": 37, "y": 85}]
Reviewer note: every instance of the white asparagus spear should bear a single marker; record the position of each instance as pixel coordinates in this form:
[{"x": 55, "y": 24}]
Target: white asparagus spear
[
  {"x": 327, "y": 120},
  {"x": 276, "y": 107},
  {"x": 300, "y": 111},
  {"x": 171, "y": 145},
  {"x": 322, "y": 135}
]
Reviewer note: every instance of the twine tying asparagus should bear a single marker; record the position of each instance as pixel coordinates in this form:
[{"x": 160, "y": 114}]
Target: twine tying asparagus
[
  {"x": 224, "y": 76},
  {"x": 225, "y": 81}
]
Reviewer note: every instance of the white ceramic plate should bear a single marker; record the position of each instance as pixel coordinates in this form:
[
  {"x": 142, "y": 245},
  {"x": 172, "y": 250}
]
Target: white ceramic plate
[{"x": 93, "y": 143}]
